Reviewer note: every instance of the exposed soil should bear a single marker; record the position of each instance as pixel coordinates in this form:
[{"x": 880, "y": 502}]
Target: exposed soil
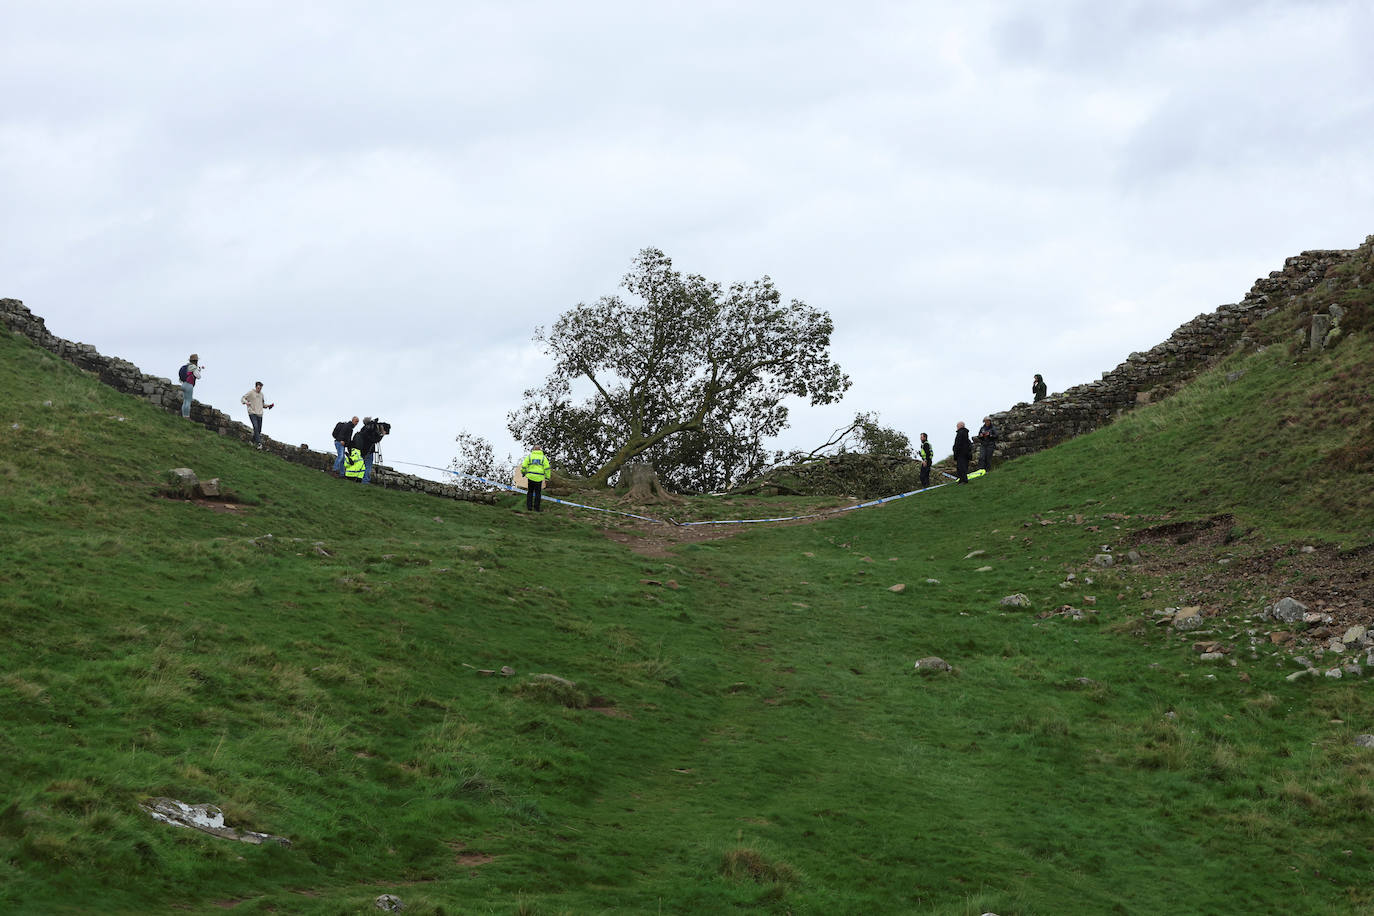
[{"x": 1213, "y": 562}]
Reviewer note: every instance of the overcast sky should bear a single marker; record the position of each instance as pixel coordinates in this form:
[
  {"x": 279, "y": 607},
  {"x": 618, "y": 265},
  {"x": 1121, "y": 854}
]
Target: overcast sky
[{"x": 370, "y": 207}]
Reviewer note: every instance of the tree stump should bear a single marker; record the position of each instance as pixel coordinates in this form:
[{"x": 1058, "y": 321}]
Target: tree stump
[{"x": 645, "y": 487}]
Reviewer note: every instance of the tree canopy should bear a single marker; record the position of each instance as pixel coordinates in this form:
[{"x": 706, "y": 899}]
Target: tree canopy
[{"x": 683, "y": 373}]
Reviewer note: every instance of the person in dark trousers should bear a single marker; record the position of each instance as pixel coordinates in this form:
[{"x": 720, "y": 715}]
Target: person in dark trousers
[
  {"x": 1038, "y": 389},
  {"x": 987, "y": 441},
  {"x": 366, "y": 442},
  {"x": 963, "y": 451},
  {"x": 343, "y": 441},
  {"x": 927, "y": 456},
  {"x": 254, "y": 401},
  {"x": 536, "y": 469}
]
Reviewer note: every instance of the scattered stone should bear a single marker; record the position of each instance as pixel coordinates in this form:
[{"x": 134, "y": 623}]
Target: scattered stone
[
  {"x": 205, "y": 818},
  {"x": 974, "y": 553},
  {"x": 932, "y": 663},
  {"x": 932, "y": 582},
  {"x": 1086, "y": 682},
  {"x": 1212, "y": 656},
  {"x": 1308, "y": 548},
  {"x": 983, "y": 569},
  {"x": 898, "y": 588},
  {"x": 1354, "y": 634},
  {"x": 1288, "y": 610},
  {"x": 1353, "y": 670},
  {"x": 1299, "y": 675},
  {"x": 507, "y": 671},
  {"x": 1334, "y": 673},
  {"x": 183, "y": 481},
  {"x": 1133, "y": 556},
  {"x": 1016, "y": 600},
  {"x": 1188, "y": 618},
  {"x": 390, "y": 903},
  {"x": 1364, "y": 740},
  {"x": 1104, "y": 560}
]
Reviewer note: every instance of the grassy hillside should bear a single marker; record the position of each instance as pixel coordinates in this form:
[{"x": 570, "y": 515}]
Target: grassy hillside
[{"x": 743, "y": 730}]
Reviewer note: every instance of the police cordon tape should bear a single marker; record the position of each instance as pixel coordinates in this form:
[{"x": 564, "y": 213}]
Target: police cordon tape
[{"x": 500, "y": 485}]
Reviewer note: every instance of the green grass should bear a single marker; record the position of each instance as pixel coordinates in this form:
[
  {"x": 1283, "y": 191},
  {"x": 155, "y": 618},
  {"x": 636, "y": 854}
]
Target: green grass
[{"x": 754, "y": 739}]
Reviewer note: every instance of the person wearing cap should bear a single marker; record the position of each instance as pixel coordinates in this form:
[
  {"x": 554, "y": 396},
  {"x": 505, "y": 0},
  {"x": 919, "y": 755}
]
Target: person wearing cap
[
  {"x": 188, "y": 383},
  {"x": 536, "y": 469},
  {"x": 366, "y": 442},
  {"x": 255, "y": 408},
  {"x": 987, "y": 441}
]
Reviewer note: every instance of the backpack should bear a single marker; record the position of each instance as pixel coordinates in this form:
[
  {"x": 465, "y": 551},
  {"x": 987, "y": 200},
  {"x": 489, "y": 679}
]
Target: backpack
[{"x": 183, "y": 372}]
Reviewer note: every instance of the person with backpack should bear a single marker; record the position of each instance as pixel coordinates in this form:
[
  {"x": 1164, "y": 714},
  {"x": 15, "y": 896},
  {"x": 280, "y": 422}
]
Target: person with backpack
[
  {"x": 536, "y": 469},
  {"x": 926, "y": 454},
  {"x": 366, "y": 443},
  {"x": 256, "y": 406},
  {"x": 343, "y": 441},
  {"x": 188, "y": 375}
]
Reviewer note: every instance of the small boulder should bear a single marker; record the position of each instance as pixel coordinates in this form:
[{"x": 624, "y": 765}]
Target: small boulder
[
  {"x": 1016, "y": 600},
  {"x": 931, "y": 664},
  {"x": 1354, "y": 634},
  {"x": 208, "y": 489},
  {"x": 1288, "y": 610},
  {"x": 1188, "y": 618},
  {"x": 390, "y": 903},
  {"x": 182, "y": 481},
  {"x": 898, "y": 588},
  {"x": 1105, "y": 560},
  {"x": 1364, "y": 740}
]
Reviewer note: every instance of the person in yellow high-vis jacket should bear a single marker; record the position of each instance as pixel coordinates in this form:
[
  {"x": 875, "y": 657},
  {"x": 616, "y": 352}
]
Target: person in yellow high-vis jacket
[
  {"x": 536, "y": 470},
  {"x": 354, "y": 465}
]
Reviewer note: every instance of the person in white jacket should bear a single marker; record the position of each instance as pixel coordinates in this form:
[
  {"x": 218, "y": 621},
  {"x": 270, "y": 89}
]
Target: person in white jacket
[{"x": 255, "y": 408}]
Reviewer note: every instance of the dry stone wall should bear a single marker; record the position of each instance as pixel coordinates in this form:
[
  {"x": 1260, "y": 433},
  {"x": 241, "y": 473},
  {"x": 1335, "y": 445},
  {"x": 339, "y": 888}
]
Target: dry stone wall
[
  {"x": 1148, "y": 376},
  {"x": 124, "y": 376}
]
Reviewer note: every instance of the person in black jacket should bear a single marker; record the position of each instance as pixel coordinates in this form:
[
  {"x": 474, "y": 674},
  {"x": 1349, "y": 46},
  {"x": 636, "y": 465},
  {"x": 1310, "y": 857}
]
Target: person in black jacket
[
  {"x": 366, "y": 442},
  {"x": 1038, "y": 389},
  {"x": 987, "y": 441},
  {"x": 963, "y": 451},
  {"x": 343, "y": 441}
]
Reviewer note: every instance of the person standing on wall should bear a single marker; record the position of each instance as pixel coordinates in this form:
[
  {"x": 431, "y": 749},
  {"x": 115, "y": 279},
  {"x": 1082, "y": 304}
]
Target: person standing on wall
[
  {"x": 963, "y": 451},
  {"x": 188, "y": 375},
  {"x": 987, "y": 441},
  {"x": 536, "y": 469},
  {"x": 1038, "y": 389},
  {"x": 343, "y": 441},
  {"x": 255, "y": 408},
  {"x": 366, "y": 443},
  {"x": 926, "y": 454}
]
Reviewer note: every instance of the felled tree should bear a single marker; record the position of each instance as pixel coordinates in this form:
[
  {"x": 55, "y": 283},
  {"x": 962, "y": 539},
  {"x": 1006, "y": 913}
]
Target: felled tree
[{"x": 686, "y": 374}]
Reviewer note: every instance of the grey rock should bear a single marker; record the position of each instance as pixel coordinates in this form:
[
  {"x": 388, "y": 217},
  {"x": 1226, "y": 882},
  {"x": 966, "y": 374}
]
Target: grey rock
[
  {"x": 1321, "y": 326},
  {"x": 1355, "y": 634},
  {"x": 974, "y": 553},
  {"x": 1299, "y": 675},
  {"x": 1334, "y": 673},
  {"x": 1353, "y": 670},
  {"x": 1016, "y": 600},
  {"x": 1133, "y": 556},
  {"x": 1337, "y": 313},
  {"x": 931, "y": 664},
  {"x": 1288, "y": 610},
  {"x": 390, "y": 903},
  {"x": 1212, "y": 656},
  {"x": 1188, "y": 618},
  {"x": 209, "y": 488},
  {"x": 1364, "y": 740}
]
